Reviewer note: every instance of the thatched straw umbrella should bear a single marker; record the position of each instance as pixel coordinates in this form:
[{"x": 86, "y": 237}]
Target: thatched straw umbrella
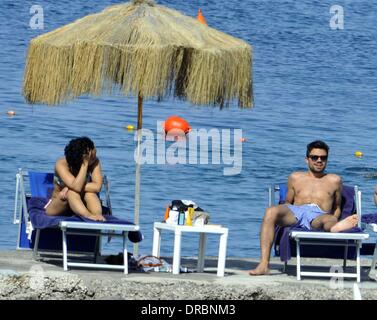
[{"x": 142, "y": 49}]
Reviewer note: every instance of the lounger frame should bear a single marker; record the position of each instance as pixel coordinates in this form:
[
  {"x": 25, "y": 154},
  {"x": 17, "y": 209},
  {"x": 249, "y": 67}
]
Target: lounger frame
[
  {"x": 329, "y": 239},
  {"x": 99, "y": 229}
]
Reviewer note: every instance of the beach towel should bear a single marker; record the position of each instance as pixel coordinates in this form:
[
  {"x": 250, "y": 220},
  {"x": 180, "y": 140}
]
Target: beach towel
[{"x": 40, "y": 220}]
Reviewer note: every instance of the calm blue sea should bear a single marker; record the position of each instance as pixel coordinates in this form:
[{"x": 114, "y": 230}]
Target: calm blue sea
[{"x": 310, "y": 82}]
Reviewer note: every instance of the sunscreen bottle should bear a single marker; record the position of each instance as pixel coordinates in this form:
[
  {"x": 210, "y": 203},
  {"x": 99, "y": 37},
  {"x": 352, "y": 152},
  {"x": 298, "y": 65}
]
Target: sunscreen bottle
[{"x": 190, "y": 216}]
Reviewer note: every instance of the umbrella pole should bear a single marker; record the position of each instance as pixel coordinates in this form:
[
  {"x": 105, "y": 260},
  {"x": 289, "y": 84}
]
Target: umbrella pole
[{"x": 137, "y": 174}]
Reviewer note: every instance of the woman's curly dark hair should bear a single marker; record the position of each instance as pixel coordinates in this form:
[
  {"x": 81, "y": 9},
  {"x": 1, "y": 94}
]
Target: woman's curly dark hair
[{"x": 74, "y": 152}]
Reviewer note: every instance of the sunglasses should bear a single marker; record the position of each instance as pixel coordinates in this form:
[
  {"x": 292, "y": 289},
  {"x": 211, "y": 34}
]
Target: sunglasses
[{"x": 315, "y": 157}]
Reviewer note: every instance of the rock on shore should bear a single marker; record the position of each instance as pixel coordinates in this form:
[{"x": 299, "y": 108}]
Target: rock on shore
[
  {"x": 23, "y": 278},
  {"x": 71, "y": 286}
]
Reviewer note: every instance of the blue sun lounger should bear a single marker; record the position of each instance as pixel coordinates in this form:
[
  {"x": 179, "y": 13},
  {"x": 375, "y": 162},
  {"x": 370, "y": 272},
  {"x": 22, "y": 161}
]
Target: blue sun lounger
[
  {"x": 301, "y": 242},
  {"x": 68, "y": 233}
]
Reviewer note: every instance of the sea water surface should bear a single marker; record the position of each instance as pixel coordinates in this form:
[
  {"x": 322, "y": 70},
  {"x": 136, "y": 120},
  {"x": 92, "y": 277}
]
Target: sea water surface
[{"x": 310, "y": 82}]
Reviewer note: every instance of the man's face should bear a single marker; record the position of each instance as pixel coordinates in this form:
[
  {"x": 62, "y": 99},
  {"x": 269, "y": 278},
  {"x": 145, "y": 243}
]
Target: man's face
[{"x": 317, "y": 160}]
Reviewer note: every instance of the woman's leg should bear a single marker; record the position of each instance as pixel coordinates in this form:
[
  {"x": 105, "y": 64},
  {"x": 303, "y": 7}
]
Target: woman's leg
[
  {"x": 78, "y": 207},
  {"x": 56, "y": 207},
  {"x": 93, "y": 203}
]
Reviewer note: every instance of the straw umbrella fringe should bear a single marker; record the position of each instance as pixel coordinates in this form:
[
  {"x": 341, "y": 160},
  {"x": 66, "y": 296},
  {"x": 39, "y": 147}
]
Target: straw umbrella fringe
[{"x": 143, "y": 49}]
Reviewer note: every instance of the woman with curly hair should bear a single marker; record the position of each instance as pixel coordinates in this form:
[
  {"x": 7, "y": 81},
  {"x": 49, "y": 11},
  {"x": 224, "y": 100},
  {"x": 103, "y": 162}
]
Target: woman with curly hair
[{"x": 77, "y": 181}]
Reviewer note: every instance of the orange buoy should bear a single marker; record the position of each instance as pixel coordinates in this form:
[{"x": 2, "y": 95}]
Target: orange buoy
[
  {"x": 200, "y": 17},
  {"x": 11, "y": 113},
  {"x": 176, "y": 126}
]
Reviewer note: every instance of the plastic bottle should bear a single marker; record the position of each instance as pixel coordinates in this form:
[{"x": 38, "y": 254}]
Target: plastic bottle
[
  {"x": 190, "y": 215},
  {"x": 181, "y": 217}
]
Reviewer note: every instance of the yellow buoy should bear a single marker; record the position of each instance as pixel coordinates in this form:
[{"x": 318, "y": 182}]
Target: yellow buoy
[
  {"x": 130, "y": 127},
  {"x": 11, "y": 113},
  {"x": 358, "y": 154}
]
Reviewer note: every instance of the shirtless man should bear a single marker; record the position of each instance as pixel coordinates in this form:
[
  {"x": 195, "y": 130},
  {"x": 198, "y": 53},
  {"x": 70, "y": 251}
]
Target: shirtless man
[{"x": 313, "y": 200}]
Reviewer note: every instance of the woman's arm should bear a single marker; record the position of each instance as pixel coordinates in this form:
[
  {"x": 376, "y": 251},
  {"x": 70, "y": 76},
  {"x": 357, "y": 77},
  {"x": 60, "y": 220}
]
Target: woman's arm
[
  {"x": 96, "y": 184},
  {"x": 73, "y": 183}
]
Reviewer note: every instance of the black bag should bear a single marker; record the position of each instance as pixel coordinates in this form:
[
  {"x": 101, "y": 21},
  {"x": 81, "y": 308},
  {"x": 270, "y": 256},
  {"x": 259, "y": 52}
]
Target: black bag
[{"x": 179, "y": 206}]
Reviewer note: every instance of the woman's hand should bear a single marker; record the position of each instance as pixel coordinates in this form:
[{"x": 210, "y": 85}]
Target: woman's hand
[
  {"x": 87, "y": 158},
  {"x": 63, "y": 194},
  {"x": 90, "y": 158},
  {"x": 93, "y": 157}
]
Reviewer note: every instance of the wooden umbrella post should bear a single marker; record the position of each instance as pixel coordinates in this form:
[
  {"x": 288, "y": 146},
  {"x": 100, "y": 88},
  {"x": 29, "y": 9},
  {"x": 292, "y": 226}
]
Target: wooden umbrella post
[{"x": 138, "y": 167}]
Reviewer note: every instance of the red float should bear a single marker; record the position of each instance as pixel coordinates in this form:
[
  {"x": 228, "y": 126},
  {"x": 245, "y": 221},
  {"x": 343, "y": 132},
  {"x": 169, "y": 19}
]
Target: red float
[{"x": 176, "y": 126}]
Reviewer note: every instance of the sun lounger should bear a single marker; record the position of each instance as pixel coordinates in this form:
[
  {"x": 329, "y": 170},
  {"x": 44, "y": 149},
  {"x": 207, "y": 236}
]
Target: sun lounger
[
  {"x": 68, "y": 233},
  {"x": 300, "y": 242}
]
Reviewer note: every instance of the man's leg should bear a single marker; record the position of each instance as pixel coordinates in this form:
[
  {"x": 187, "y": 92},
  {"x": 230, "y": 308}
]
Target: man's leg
[
  {"x": 280, "y": 215},
  {"x": 324, "y": 222},
  {"x": 329, "y": 223},
  {"x": 345, "y": 224}
]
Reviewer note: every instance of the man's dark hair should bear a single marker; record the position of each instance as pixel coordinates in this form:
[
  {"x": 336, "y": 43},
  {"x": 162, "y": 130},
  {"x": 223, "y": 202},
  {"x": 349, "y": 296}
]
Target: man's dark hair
[
  {"x": 74, "y": 152},
  {"x": 318, "y": 144}
]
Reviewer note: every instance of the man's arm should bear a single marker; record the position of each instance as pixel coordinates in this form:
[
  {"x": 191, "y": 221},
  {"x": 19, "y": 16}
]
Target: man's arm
[
  {"x": 338, "y": 198},
  {"x": 290, "y": 189}
]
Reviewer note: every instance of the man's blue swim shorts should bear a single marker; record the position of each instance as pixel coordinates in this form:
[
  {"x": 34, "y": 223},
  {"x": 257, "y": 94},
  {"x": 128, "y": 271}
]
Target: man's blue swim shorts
[{"x": 306, "y": 213}]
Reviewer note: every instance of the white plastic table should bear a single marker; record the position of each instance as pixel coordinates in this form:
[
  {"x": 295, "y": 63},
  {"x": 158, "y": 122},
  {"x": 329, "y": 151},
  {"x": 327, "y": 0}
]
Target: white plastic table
[{"x": 203, "y": 231}]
